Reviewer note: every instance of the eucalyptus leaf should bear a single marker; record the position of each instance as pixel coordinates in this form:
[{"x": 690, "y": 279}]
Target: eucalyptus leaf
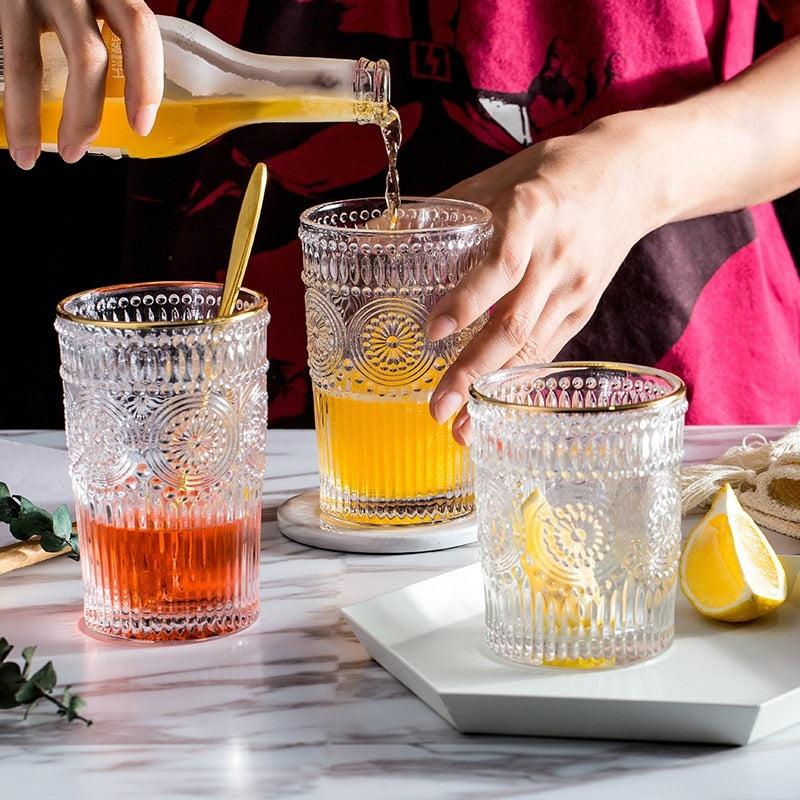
[
  {"x": 10, "y": 681},
  {"x": 62, "y": 533},
  {"x": 5, "y": 648},
  {"x": 73, "y": 704},
  {"x": 56, "y": 531},
  {"x": 43, "y": 681},
  {"x": 16, "y": 689},
  {"x": 28, "y": 654},
  {"x": 9, "y": 508},
  {"x": 32, "y": 520}
]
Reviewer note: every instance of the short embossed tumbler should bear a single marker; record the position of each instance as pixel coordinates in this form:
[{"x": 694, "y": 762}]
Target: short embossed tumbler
[
  {"x": 370, "y": 285},
  {"x": 579, "y": 510},
  {"x": 166, "y": 422}
]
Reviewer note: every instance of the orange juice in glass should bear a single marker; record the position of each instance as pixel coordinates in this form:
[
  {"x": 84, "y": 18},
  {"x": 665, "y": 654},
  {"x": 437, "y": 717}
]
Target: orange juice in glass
[{"x": 369, "y": 287}]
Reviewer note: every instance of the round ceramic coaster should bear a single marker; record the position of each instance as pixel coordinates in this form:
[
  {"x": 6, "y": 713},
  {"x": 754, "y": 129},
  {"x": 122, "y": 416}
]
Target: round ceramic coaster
[{"x": 299, "y": 520}]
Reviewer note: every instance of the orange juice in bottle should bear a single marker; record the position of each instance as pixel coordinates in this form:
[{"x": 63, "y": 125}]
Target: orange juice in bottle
[{"x": 212, "y": 87}]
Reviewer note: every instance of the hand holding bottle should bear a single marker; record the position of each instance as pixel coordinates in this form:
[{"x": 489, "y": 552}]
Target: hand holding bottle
[
  {"x": 113, "y": 102},
  {"x": 74, "y": 23}
]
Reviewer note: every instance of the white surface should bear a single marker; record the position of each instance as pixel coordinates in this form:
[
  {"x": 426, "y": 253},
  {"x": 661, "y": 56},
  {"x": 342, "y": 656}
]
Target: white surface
[
  {"x": 21, "y": 470},
  {"x": 294, "y": 707},
  {"x": 702, "y": 689},
  {"x": 299, "y": 520}
]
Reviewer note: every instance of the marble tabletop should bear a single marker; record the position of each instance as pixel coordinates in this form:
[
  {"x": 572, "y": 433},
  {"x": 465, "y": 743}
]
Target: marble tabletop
[{"x": 293, "y": 707}]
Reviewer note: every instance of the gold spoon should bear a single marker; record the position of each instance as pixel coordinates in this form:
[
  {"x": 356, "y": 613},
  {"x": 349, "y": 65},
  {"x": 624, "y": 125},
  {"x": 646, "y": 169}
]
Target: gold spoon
[
  {"x": 243, "y": 238},
  {"x": 22, "y": 554}
]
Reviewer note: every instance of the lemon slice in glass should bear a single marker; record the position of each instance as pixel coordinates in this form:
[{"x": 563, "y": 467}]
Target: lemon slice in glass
[
  {"x": 556, "y": 545},
  {"x": 557, "y": 563},
  {"x": 729, "y": 570}
]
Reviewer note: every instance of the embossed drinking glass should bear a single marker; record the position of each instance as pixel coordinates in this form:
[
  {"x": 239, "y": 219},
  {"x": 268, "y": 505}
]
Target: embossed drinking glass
[
  {"x": 166, "y": 423},
  {"x": 579, "y": 510},
  {"x": 369, "y": 287}
]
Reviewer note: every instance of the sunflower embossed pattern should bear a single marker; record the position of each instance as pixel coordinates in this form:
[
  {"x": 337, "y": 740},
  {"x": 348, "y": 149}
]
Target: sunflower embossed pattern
[
  {"x": 370, "y": 285},
  {"x": 166, "y": 419}
]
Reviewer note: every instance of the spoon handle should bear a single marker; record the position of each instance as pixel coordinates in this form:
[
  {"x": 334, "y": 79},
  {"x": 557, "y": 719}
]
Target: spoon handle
[{"x": 243, "y": 238}]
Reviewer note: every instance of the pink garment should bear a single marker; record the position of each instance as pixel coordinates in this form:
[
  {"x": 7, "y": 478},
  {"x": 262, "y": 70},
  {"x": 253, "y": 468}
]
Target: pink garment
[
  {"x": 740, "y": 351},
  {"x": 715, "y": 300}
]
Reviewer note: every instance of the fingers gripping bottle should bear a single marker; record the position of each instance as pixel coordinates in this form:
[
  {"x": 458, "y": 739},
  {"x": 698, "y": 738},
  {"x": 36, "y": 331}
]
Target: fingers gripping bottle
[{"x": 211, "y": 87}]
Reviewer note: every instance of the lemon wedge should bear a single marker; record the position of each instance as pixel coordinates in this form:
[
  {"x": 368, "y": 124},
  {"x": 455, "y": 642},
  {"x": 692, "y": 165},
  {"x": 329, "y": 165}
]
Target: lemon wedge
[
  {"x": 728, "y": 569},
  {"x": 559, "y": 567},
  {"x": 556, "y": 545}
]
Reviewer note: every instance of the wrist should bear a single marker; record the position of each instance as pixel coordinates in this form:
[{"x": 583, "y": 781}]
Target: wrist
[{"x": 644, "y": 183}]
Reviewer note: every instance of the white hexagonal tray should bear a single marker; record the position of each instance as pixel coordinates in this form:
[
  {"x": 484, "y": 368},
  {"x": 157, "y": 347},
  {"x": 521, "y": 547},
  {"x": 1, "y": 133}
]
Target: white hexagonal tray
[{"x": 719, "y": 682}]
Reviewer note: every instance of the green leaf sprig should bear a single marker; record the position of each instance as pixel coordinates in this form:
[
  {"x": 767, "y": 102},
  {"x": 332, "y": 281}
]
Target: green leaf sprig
[
  {"x": 25, "y": 520},
  {"x": 55, "y": 532},
  {"x": 19, "y": 688}
]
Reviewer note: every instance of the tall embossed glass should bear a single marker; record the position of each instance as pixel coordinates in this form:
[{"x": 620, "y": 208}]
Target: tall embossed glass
[
  {"x": 166, "y": 423},
  {"x": 579, "y": 510},
  {"x": 369, "y": 287}
]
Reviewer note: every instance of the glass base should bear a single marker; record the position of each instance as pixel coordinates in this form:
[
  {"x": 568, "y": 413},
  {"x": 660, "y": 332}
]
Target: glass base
[
  {"x": 613, "y": 630},
  {"x": 618, "y": 651},
  {"x": 175, "y": 627},
  {"x": 396, "y": 512}
]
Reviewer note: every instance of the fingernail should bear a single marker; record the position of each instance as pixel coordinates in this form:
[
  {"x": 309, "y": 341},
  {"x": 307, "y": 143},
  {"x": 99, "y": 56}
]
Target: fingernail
[
  {"x": 145, "y": 119},
  {"x": 441, "y": 327},
  {"x": 25, "y": 157},
  {"x": 447, "y": 405},
  {"x": 72, "y": 153}
]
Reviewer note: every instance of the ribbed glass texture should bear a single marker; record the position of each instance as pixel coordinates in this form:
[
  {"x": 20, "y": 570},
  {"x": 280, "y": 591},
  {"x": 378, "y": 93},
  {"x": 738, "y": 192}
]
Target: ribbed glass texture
[
  {"x": 578, "y": 504},
  {"x": 166, "y": 423},
  {"x": 369, "y": 288}
]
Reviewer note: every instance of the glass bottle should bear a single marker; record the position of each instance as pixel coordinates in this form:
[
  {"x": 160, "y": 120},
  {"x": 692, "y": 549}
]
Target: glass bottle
[{"x": 211, "y": 87}]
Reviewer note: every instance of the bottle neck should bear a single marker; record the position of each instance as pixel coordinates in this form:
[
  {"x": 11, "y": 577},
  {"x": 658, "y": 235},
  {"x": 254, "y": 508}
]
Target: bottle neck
[{"x": 372, "y": 90}]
